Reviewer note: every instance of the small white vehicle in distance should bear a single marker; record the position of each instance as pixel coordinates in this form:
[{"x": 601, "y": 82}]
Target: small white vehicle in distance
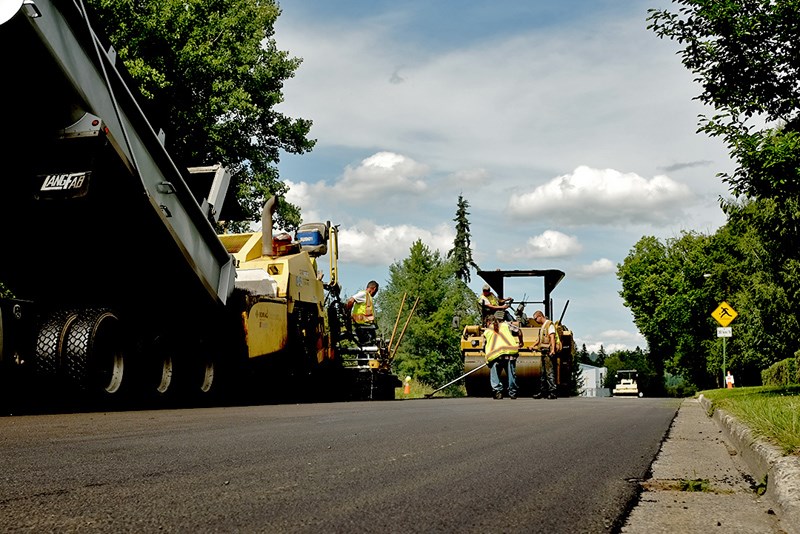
[{"x": 626, "y": 383}]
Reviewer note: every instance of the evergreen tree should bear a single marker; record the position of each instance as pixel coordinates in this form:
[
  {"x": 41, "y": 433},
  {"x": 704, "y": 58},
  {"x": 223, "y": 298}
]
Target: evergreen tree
[
  {"x": 461, "y": 253},
  {"x": 601, "y": 357},
  {"x": 583, "y": 356}
]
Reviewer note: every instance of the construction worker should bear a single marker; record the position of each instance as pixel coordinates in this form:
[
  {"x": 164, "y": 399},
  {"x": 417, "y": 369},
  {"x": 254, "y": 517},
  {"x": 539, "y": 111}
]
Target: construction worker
[
  {"x": 490, "y": 304},
  {"x": 547, "y": 344},
  {"x": 362, "y": 312},
  {"x": 501, "y": 353}
]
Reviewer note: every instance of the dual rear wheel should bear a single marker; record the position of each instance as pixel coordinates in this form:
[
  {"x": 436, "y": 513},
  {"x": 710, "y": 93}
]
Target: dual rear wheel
[
  {"x": 81, "y": 350},
  {"x": 86, "y": 353}
]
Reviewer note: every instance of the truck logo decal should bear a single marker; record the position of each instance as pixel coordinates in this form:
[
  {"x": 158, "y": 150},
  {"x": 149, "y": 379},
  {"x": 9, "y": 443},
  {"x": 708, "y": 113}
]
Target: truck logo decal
[
  {"x": 64, "y": 185},
  {"x": 63, "y": 182}
]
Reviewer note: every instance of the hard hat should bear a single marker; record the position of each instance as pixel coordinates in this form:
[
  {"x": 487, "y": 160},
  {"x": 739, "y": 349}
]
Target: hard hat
[{"x": 486, "y": 287}]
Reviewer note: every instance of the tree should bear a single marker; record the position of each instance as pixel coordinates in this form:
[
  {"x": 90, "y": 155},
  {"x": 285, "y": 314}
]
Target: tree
[
  {"x": 461, "y": 253},
  {"x": 663, "y": 285},
  {"x": 746, "y": 56},
  {"x": 583, "y": 356},
  {"x": 213, "y": 71},
  {"x": 430, "y": 350},
  {"x": 763, "y": 283},
  {"x": 601, "y": 357}
]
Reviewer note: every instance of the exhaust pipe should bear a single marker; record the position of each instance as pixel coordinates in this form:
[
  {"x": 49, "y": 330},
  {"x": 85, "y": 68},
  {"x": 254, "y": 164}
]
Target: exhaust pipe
[{"x": 266, "y": 227}]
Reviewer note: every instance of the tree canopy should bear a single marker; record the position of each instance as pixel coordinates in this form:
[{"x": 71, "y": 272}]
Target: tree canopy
[
  {"x": 430, "y": 349},
  {"x": 211, "y": 70},
  {"x": 746, "y": 56},
  {"x": 673, "y": 286}
]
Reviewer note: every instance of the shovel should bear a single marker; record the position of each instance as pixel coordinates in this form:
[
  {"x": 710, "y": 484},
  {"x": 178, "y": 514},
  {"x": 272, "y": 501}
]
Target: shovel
[{"x": 429, "y": 395}]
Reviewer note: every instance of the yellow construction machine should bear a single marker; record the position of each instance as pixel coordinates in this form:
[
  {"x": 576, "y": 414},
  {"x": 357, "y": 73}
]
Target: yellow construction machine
[{"x": 529, "y": 363}]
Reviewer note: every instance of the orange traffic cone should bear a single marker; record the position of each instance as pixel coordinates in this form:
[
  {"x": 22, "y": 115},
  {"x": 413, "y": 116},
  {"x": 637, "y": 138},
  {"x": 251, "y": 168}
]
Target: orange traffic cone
[{"x": 407, "y": 386}]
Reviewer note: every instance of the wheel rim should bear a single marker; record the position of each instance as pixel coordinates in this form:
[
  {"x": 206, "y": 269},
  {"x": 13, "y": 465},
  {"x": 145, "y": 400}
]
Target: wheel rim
[
  {"x": 166, "y": 374},
  {"x": 105, "y": 353},
  {"x": 207, "y": 381}
]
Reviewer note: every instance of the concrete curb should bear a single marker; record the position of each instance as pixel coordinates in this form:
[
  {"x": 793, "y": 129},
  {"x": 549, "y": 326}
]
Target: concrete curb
[{"x": 764, "y": 460}]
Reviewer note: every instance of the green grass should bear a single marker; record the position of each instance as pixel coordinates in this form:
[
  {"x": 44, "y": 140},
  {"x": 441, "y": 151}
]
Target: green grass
[
  {"x": 696, "y": 484},
  {"x": 770, "y": 412},
  {"x": 419, "y": 390}
]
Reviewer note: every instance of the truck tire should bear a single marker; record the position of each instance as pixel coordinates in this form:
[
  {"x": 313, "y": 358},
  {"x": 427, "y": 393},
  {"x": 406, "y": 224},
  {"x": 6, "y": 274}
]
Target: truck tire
[
  {"x": 93, "y": 358},
  {"x": 49, "y": 343},
  {"x": 197, "y": 375}
]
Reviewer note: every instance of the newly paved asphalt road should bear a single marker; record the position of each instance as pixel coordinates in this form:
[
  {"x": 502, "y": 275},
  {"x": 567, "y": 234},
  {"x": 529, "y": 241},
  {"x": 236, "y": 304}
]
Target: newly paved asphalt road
[{"x": 428, "y": 465}]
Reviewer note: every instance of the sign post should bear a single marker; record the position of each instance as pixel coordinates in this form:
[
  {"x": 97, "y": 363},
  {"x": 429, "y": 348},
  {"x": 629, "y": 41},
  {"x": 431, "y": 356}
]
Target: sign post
[{"x": 724, "y": 315}]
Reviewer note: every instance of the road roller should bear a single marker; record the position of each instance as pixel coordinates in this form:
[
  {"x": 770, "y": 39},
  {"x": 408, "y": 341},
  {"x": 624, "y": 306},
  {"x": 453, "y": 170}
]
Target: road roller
[{"x": 529, "y": 363}]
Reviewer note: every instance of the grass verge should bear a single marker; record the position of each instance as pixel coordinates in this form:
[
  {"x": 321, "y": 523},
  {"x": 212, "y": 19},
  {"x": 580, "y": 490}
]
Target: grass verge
[
  {"x": 770, "y": 412},
  {"x": 417, "y": 390}
]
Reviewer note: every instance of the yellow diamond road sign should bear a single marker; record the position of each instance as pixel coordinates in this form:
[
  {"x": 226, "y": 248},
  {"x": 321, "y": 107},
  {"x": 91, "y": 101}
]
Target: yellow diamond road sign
[{"x": 724, "y": 314}]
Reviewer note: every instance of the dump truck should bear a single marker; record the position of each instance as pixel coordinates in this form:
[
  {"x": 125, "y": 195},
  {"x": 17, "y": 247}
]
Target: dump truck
[
  {"x": 529, "y": 362},
  {"x": 122, "y": 288}
]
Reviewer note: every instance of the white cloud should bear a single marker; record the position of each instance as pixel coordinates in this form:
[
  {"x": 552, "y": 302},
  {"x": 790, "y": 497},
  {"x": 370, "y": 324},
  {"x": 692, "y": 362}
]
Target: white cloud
[
  {"x": 604, "y": 196},
  {"x": 380, "y": 174},
  {"x": 548, "y": 244},
  {"x": 368, "y": 184},
  {"x": 370, "y": 244},
  {"x": 596, "y": 268},
  {"x": 469, "y": 178},
  {"x": 486, "y": 116}
]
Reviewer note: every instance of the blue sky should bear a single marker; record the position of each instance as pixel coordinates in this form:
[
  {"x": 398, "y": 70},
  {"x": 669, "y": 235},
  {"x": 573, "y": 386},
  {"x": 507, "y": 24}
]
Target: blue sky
[{"x": 567, "y": 126}]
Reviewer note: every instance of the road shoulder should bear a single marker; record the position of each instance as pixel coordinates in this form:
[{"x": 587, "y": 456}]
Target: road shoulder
[{"x": 699, "y": 482}]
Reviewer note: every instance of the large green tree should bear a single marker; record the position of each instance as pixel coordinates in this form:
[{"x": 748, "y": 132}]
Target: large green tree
[
  {"x": 430, "y": 349},
  {"x": 213, "y": 74},
  {"x": 662, "y": 284},
  {"x": 746, "y": 56},
  {"x": 672, "y": 288}
]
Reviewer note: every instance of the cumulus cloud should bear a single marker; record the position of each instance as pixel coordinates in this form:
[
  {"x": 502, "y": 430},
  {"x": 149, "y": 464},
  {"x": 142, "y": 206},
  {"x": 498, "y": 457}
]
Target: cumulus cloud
[
  {"x": 469, "y": 178},
  {"x": 381, "y": 173},
  {"x": 373, "y": 179},
  {"x": 549, "y": 244},
  {"x": 604, "y": 196},
  {"x": 369, "y": 244},
  {"x": 596, "y": 268}
]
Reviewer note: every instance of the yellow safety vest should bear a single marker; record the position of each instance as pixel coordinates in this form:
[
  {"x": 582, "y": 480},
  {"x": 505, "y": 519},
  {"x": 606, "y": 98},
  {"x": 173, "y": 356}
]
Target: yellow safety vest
[
  {"x": 544, "y": 336},
  {"x": 500, "y": 343},
  {"x": 364, "y": 312},
  {"x": 491, "y": 298}
]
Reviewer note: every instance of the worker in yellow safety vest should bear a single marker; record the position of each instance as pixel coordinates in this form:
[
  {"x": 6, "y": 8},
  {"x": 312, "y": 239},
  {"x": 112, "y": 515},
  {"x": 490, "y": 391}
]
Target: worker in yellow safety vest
[
  {"x": 362, "y": 311},
  {"x": 490, "y": 304},
  {"x": 548, "y": 345},
  {"x": 501, "y": 352}
]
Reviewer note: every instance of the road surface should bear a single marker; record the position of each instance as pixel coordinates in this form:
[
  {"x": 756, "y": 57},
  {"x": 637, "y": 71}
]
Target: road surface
[{"x": 426, "y": 465}]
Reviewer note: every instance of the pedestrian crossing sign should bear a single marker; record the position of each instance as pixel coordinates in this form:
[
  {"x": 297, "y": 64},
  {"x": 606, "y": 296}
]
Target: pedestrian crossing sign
[{"x": 724, "y": 314}]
